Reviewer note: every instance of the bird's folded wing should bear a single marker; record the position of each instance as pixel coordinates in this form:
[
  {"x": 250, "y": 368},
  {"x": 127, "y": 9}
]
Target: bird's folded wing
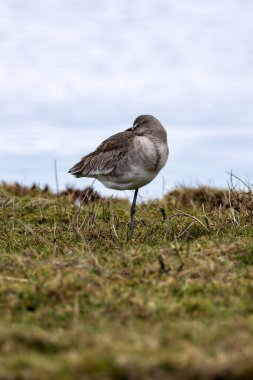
[{"x": 105, "y": 158}]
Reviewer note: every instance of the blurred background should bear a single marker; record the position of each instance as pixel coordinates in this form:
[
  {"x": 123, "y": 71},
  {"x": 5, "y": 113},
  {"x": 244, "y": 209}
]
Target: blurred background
[{"x": 73, "y": 72}]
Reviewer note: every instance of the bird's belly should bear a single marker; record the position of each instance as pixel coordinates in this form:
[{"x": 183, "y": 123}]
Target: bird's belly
[{"x": 132, "y": 179}]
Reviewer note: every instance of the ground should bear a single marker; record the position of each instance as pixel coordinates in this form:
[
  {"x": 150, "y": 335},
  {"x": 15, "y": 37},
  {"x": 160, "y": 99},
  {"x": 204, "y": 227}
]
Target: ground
[{"x": 78, "y": 300}]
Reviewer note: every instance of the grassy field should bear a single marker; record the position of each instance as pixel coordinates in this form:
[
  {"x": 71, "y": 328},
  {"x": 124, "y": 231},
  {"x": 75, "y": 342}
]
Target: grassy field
[{"x": 79, "y": 301}]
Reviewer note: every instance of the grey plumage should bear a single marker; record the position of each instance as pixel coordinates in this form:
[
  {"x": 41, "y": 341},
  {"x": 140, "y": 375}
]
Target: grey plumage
[{"x": 114, "y": 155}]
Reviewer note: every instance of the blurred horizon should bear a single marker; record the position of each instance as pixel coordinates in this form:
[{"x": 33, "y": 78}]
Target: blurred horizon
[{"x": 73, "y": 73}]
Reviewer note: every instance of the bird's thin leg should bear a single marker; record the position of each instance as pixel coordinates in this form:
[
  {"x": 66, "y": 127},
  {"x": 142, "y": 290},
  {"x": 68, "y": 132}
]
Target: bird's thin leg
[{"x": 133, "y": 213}]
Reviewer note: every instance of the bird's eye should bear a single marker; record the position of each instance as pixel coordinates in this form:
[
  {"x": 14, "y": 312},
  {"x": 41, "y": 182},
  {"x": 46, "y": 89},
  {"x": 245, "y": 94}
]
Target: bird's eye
[{"x": 136, "y": 125}]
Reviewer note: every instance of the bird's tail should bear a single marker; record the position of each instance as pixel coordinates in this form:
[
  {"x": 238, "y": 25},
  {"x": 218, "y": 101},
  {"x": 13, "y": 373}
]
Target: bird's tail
[
  {"x": 76, "y": 170},
  {"x": 80, "y": 169}
]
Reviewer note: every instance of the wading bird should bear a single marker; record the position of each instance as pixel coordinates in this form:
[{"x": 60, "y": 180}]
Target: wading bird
[{"x": 128, "y": 160}]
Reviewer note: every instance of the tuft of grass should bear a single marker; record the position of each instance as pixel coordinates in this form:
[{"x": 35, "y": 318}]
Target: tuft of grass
[{"x": 79, "y": 301}]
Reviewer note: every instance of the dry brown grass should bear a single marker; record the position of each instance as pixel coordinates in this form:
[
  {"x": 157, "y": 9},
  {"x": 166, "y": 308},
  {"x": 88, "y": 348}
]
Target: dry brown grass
[{"x": 78, "y": 301}]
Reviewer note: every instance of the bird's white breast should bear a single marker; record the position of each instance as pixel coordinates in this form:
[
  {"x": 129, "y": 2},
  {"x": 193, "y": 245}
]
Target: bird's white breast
[
  {"x": 151, "y": 153},
  {"x": 144, "y": 150}
]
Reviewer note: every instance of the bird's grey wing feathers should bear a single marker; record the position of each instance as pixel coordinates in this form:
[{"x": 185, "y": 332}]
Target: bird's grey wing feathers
[{"x": 105, "y": 158}]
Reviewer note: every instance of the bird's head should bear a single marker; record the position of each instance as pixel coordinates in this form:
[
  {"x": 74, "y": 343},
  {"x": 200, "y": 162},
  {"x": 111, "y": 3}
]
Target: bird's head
[{"x": 146, "y": 125}]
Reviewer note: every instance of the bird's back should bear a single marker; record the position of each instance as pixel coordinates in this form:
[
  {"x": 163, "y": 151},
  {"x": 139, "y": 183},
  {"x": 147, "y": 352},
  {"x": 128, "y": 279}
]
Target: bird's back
[{"x": 105, "y": 158}]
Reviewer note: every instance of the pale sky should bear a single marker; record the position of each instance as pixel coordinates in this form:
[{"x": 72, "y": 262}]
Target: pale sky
[{"x": 73, "y": 72}]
